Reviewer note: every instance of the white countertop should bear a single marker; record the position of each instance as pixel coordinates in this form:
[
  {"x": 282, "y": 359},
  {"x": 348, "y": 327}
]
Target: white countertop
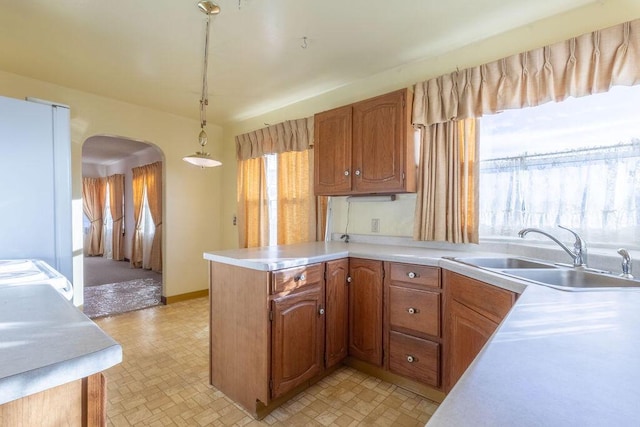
[
  {"x": 559, "y": 358},
  {"x": 45, "y": 341}
]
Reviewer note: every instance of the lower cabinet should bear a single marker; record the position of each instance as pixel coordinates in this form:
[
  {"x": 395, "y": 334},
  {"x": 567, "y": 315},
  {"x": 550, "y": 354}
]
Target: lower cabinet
[
  {"x": 297, "y": 338},
  {"x": 337, "y": 312},
  {"x": 365, "y": 310},
  {"x": 474, "y": 311}
]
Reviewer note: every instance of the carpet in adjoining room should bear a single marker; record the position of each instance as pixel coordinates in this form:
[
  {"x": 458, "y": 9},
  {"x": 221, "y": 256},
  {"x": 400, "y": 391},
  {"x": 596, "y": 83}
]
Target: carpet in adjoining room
[{"x": 116, "y": 298}]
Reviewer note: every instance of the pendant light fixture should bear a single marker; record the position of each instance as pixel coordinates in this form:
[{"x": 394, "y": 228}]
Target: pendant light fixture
[{"x": 202, "y": 158}]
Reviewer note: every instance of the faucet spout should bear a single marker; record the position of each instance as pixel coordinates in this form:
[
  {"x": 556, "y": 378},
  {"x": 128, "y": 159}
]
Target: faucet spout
[{"x": 579, "y": 252}]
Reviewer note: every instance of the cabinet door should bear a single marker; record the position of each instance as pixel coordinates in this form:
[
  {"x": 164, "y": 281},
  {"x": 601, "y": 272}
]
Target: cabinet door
[
  {"x": 380, "y": 143},
  {"x": 467, "y": 333},
  {"x": 337, "y": 312},
  {"x": 297, "y": 339},
  {"x": 332, "y": 151},
  {"x": 365, "y": 310}
]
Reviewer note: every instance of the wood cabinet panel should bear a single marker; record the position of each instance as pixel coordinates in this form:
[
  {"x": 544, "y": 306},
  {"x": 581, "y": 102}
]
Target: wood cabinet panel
[
  {"x": 379, "y": 143},
  {"x": 337, "y": 312},
  {"x": 490, "y": 301},
  {"x": 414, "y": 311},
  {"x": 365, "y": 310},
  {"x": 411, "y": 274},
  {"x": 298, "y": 332},
  {"x": 468, "y": 332},
  {"x": 415, "y": 358},
  {"x": 332, "y": 151},
  {"x": 290, "y": 279}
]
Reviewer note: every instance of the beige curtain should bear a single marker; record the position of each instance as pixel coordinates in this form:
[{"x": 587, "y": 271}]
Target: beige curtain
[
  {"x": 298, "y": 216},
  {"x": 253, "y": 212},
  {"x": 153, "y": 183},
  {"x": 296, "y": 201},
  {"x": 116, "y": 206},
  {"x": 93, "y": 197},
  {"x": 447, "y": 199},
  {"x": 446, "y": 204},
  {"x": 138, "y": 193},
  {"x": 580, "y": 66},
  {"x": 291, "y": 135}
]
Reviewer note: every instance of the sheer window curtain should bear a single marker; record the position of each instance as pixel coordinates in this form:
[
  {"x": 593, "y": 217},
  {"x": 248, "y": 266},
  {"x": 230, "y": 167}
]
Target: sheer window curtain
[
  {"x": 116, "y": 205},
  {"x": 146, "y": 248},
  {"x": 93, "y": 196},
  {"x": 253, "y": 210},
  {"x": 296, "y": 202},
  {"x": 153, "y": 185},
  {"x": 580, "y": 66}
]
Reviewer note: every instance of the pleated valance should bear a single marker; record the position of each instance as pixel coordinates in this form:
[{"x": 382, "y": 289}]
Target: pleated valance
[
  {"x": 290, "y": 135},
  {"x": 580, "y": 66}
]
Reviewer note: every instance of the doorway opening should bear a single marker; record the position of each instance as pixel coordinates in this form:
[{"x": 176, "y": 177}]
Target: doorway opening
[{"x": 122, "y": 190}]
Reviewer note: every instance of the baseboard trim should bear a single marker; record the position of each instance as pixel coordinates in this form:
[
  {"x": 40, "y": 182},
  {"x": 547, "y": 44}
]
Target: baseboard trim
[{"x": 184, "y": 297}]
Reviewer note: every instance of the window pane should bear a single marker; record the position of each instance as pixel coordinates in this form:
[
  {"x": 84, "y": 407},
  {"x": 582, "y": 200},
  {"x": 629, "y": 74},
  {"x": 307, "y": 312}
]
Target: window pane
[{"x": 574, "y": 163}]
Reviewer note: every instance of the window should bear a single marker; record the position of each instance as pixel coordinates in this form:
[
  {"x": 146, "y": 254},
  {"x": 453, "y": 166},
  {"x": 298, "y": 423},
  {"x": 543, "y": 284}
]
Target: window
[{"x": 574, "y": 163}]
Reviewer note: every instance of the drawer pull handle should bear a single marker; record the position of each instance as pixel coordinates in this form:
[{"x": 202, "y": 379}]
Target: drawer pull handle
[
  {"x": 411, "y": 359},
  {"x": 299, "y": 277},
  {"x": 412, "y": 275},
  {"x": 412, "y": 310}
]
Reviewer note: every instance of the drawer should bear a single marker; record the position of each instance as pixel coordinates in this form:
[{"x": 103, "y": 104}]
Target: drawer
[
  {"x": 414, "y": 310},
  {"x": 415, "y": 358},
  {"x": 416, "y": 274},
  {"x": 296, "y": 277},
  {"x": 490, "y": 301}
]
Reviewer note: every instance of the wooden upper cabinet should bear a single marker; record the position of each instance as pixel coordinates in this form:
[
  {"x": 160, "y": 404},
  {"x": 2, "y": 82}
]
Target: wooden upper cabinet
[
  {"x": 332, "y": 151},
  {"x": 366, "y": 147},
  {"x": 337, "y": 312},
  {"x": 365, "y": 310}
]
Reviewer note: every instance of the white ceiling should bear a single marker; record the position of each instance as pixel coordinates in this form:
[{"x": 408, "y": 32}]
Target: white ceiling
[{"x": 149, "y": 52}]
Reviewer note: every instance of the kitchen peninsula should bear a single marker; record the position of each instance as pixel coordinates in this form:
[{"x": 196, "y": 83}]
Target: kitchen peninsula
[
  {"x": 52, "y": 360},
  {"x": 557, "y": 358}
]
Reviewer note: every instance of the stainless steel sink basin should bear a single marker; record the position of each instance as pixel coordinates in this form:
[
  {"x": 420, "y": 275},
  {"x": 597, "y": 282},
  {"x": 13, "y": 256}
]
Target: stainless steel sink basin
[
  {"x": 501, "y": 263},
  {"x": 572, "y": 279}
]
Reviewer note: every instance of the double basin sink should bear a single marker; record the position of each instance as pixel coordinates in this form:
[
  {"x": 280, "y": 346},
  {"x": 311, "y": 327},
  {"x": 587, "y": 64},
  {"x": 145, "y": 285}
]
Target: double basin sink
[{"x": 564, "y": 278}]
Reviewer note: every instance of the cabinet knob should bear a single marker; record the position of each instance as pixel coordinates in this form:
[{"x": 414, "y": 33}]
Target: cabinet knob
[
  {"x": 357, "y": 172},
  {"x": 411, "y": 359},
  {"x": 299, "y": 277},
  {"x": 412, "y": 310},
  {"x": 349, "y": 279},
  {"x": 346, "y": 173},
  {"x": 321, "y": 311},
  {"x": 412, "y": 275}
]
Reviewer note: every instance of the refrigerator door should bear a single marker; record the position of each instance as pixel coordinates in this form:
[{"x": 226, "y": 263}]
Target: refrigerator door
[{"x": 35, "y": 183}]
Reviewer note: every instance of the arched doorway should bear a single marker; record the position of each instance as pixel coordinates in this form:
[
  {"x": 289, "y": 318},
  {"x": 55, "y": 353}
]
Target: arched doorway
[{"x": 122, "y": 204}]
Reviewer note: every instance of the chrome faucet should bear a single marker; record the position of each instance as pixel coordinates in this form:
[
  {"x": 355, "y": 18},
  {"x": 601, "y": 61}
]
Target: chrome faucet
[
  {"x": 579, "y": 252},
  {"x": 626, "y": 264}
]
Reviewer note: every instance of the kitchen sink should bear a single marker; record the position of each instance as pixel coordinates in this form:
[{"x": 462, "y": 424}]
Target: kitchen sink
[
  {"x": 501, "y": 263},
  {"x": 572, "y": 279}
]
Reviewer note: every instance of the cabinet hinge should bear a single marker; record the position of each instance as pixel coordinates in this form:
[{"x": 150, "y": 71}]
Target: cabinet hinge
[
  {"x": 271, "y": 386},
  {"x": 270, "y": 315},
  {"x": 403, "y": 176}
]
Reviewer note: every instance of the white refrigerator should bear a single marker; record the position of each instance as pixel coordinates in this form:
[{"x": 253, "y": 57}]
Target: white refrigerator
[{"x": 35, "y": 183}]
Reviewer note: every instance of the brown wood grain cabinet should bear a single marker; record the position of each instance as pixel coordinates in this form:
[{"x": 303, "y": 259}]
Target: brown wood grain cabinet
[
  {"x": 366, "y": 147},
  {"x": 365, "y": 310},
  {"x": 297, "y": 338},
  {"x": 413, "y": 315},
  {"x": 474, "y": 310},
  {"x": 337, "y": 311}
]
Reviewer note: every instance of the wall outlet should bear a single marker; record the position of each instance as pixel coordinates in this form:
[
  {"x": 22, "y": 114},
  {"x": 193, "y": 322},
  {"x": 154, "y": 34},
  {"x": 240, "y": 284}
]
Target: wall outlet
[{"x": 375, "y": 225}]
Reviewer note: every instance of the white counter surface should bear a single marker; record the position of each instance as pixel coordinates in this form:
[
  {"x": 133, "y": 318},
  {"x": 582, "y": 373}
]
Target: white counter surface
[
  {"x": 559, "y": 358},
  {"x": 45, "y": 341}
]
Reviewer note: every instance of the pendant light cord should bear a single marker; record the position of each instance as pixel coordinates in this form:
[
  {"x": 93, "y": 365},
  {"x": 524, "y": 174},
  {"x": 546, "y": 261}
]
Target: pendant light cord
[{"x": 204, "y": 100}]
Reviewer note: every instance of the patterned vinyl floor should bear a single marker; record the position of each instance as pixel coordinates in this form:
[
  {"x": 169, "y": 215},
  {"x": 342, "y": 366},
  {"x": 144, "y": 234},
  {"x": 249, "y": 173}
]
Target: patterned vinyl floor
[{"x": 163, "y": 381}]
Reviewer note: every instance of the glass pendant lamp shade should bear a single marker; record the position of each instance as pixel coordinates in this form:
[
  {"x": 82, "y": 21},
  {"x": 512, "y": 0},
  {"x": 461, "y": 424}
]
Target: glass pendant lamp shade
[{"x": 202, "y": 158}]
